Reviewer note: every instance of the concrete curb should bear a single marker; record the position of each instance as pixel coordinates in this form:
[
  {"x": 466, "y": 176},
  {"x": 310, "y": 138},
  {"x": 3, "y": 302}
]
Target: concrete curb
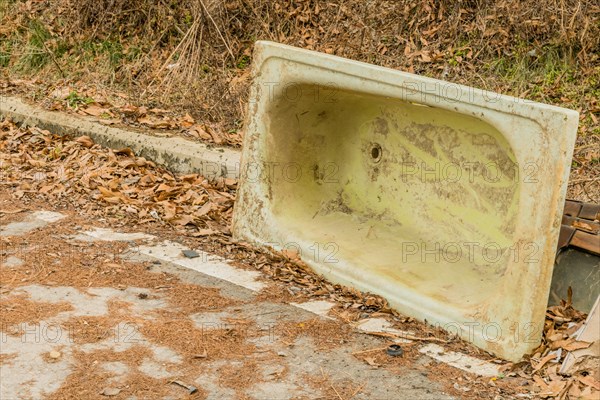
[{"x": 175, "y": 153}]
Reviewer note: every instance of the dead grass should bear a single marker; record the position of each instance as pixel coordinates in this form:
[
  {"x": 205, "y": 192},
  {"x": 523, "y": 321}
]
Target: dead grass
[
  {"x": 59, "y": 263},
  {"x": 18, "y": 310},
  {"x": 117, "y": 324},
  {"x": 93, "y": 329},
  {"x": 326, "y": 334},
  {"x": 340, "y": 389},
  {"x": 277, "y": 293},
  {"x": 191, "y": 299},
  {"x": 89, "y": 379},
  {"x": 6, "y": 357},
  {"x": 98, "y": 264},
  {"x": 198, "y": 343},
  {"x": 239, "y": 377},
  {"x": 195, "y": 54}
]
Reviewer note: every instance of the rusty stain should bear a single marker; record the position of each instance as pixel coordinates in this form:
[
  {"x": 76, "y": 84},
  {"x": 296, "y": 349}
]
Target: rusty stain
[{"x": 370, "y": 210}]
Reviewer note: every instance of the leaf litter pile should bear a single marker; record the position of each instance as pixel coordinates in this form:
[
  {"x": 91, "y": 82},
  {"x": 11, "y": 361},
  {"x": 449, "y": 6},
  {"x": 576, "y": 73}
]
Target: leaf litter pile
[
  {"x": 101, "y": 181},
  {"x": 153, "y": 118},
  {"x": 126, "y": 190}
]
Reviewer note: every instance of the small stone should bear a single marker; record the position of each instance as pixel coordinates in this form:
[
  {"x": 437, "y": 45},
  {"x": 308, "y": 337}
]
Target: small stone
[
  {"x": 54, "y": 354},
  {"x": 143, "y": 296},
  {"x": 110, "y": 392},
  {"x": 190, "y": 253},
  {"x": 281, "y": 354}
]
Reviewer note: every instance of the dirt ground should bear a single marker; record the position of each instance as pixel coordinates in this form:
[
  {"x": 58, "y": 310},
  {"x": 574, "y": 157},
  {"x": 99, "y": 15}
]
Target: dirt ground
[
  {"x": 98, "y": 301},
  {"x": 84, "y": 317}
]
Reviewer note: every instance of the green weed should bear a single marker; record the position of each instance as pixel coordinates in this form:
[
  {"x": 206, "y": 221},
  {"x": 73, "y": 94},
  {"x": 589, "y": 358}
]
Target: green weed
[
  {"x": 36, "y": 54},
  {"x": 74, "y": 100},
  {"x": 6, "y": 48},
  {"x": 243, "y": 62}
]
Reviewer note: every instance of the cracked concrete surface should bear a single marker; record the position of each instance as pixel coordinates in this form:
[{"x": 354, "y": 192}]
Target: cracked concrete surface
[
  {"x": 28, "y": 372},
  {"x": 36, "y": 220}
]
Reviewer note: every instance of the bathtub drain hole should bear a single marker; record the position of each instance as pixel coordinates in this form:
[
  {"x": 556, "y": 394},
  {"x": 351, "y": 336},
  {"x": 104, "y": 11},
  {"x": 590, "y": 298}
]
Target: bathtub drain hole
[{"x": 376, "y": 152}]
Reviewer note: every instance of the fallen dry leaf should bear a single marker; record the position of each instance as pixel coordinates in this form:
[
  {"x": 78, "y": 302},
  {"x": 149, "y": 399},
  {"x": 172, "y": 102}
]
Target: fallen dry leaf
[
  {"x": 543, "y": 362},
  {"x": 371, "y": 361},
  {"x": 589, "y": 381},
  {"x": 85, "y": 141},
  {"x": 156, "y": 123},
  {"x": 186, "y": 121},
  {"x": 94, "y": 109},
  {"x": 570, "y": 344}
]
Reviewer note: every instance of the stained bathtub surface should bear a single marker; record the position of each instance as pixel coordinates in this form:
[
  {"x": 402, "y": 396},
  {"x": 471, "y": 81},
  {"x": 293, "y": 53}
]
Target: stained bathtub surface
[{"x": 444, "y": 199}]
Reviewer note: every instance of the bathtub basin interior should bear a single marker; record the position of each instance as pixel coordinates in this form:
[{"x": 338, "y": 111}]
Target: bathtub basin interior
[{"x": 403, "y": 192}]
